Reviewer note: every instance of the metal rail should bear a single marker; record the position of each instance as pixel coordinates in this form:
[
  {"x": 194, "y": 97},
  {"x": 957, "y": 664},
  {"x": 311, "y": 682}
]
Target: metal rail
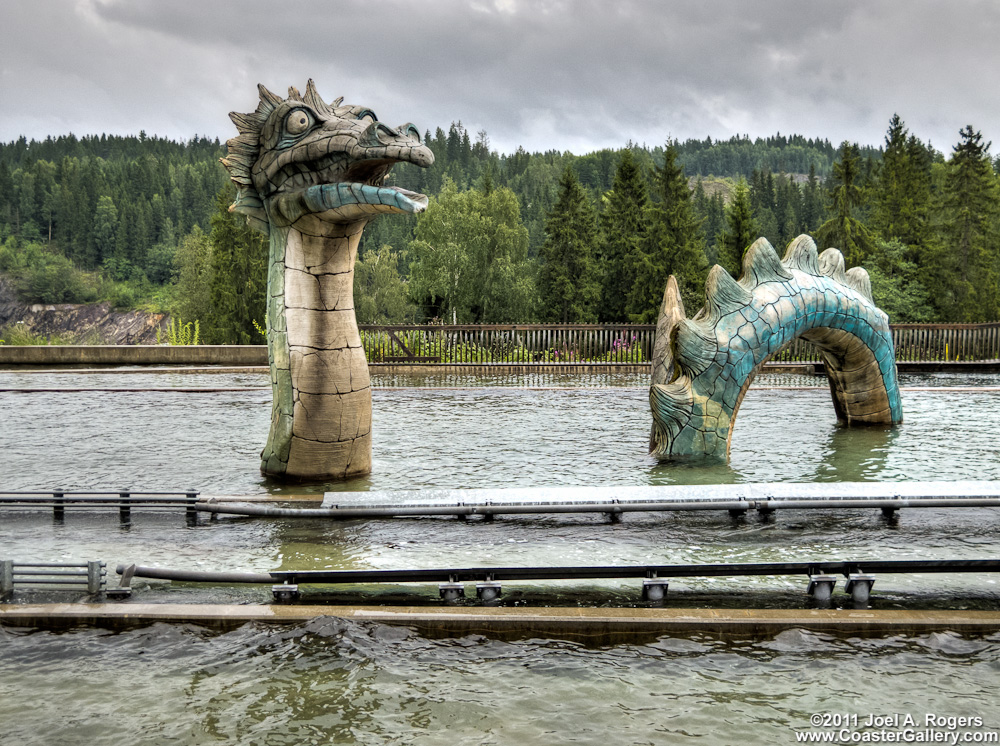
[
  {"x": 12, "y": 574},
  {"x": 469, "y": 574},
  {"x": 822, "y": 576},
  {"x": 737, "y": 499},
  {"x": 124, "y": 500}
]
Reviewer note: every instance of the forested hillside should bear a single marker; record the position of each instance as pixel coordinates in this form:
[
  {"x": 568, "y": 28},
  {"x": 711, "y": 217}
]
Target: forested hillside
[{"x": 523, "y": 236}]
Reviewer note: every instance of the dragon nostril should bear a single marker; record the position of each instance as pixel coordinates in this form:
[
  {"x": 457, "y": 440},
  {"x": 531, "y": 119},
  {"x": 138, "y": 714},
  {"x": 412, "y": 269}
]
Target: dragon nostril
[
  {"x": 410, "y": 130},
  {"x": 376, "y": 134}
]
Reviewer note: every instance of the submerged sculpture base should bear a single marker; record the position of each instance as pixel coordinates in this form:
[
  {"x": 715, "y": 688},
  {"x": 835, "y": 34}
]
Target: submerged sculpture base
[{"x": 313, "y": 461}]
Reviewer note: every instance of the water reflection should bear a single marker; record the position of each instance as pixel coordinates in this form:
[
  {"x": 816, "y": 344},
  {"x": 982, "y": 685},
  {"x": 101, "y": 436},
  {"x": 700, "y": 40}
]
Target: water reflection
[
  {"x": 693, "y": 472},
  {"x": 856, "y": 454}
]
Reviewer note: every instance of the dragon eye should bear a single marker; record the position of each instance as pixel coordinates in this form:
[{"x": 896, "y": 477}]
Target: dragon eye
[{"x": 297, "y": 122}]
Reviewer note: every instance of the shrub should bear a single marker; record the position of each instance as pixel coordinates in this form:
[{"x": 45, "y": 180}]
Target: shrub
[
  {"x": 21, "y": 334},
  {"x": 41, "y": 275},
  {"x": 179, "y": 333}
]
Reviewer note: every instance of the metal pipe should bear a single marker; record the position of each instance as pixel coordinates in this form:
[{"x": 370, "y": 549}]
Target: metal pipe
[
  {"x": 877, "y": 502},
  {"x": 466, "y": 510},
  {"x": 372, "y": 511},
  {"x": 196, "y": 576},
  {"x": 452, "y": 575}
]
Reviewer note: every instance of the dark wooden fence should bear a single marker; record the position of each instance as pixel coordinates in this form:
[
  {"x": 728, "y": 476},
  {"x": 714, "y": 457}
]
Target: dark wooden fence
[
  {"x": 509, "y": 343},
  {"x": 629, "y": 344}
]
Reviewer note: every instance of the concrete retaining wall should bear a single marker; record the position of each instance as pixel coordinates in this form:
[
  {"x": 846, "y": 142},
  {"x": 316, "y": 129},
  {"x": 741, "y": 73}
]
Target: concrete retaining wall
[
  {"x": 506, "y": 368},
  {"x": 55, "y": 355},
  {"x": 256, "y": 355},
  {"x": 604, "y": 626}
]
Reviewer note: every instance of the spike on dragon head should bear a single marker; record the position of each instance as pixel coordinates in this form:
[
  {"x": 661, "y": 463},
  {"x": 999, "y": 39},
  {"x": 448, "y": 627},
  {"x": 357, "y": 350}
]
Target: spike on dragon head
[{"x": 300, "y": 156}]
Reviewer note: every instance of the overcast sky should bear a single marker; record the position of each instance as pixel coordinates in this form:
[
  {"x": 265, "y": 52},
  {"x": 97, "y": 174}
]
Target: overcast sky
[{"x": 575, "y": 76}]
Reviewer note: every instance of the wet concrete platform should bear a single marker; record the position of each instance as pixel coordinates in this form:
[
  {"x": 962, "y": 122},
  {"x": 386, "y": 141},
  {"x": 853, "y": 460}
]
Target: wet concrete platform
[{"x": 596, "y": 625}]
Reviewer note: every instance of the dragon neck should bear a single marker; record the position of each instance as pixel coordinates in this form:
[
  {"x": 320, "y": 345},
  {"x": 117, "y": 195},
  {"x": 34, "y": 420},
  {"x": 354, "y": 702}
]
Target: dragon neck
[{"x": 321, "y": 415}]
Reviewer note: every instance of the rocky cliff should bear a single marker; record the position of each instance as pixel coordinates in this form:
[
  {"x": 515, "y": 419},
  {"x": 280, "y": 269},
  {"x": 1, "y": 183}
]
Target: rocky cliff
[{"x": 80, "y": 323}]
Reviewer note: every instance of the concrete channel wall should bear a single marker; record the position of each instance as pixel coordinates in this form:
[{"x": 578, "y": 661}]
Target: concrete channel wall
[
  {"x": 605, "y": 626},
  {"x": 54, "y": 356},
  {"x": 240, "y": 356},
  {"x": 57, "y": 355}
]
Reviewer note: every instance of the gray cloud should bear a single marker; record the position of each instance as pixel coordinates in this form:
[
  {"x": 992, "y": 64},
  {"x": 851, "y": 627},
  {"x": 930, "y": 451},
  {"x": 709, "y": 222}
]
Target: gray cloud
[{"x": 548, "y": 74}]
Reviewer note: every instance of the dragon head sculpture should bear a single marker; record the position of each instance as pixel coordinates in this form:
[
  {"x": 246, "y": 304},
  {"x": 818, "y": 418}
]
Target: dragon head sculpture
[{"x": 300, "y": 156}]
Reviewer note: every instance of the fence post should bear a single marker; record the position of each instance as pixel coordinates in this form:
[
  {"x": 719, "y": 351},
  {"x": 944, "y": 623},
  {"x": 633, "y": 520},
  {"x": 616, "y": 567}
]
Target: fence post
[
  {"x": 124, "y": 509},
  {"x": 190, "y": 513},
  {"x": 6, "y": 578},
  {"x": 94, "y": 577}
]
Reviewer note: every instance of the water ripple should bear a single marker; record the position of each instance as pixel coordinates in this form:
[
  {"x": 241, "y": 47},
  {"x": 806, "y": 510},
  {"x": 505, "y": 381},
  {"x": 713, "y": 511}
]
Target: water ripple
[{"x": 346, "y": 682}]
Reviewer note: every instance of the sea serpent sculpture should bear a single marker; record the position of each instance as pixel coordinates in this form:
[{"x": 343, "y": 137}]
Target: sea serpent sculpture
[
  {"x": 309, "y": 175},
  {"x": 702, "y": 367}
]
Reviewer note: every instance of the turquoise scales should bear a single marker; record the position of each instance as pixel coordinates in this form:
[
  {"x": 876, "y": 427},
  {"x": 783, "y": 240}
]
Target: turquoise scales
[
  {"x": 703, "y": 366},
  {"x": 310, "y": 175}
]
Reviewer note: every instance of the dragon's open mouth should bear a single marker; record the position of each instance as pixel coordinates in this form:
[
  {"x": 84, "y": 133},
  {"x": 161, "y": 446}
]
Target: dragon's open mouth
[
  {"x": 364, "y": 186},
  {"x": 371, "y": 172},
  {"x": 352, "y": 193}
]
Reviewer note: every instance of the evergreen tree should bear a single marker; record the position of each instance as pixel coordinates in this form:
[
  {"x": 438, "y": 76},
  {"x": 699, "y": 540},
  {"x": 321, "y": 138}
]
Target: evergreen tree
[
  {"x": 569, "y": 286},
  {"x": 700, "y": 201},
  {"x": 674, "y": 245},
  {"x": 105, "y": 228},
  {"x": 6, "y": 193},
  {"x": 812, "y": 203},
  {"x": 898, "y": 284},
  {"x": 970, "y": 268},
  {"x": 764, "y": 206},
  {"x": 624, "y": 227},
  {"x": 843, "y": 231},
  {"x": 788, "y": 208},
  {"x": 193, "y": 291},
  {"x": 238, "y": 276},
  {"x": 902, "y": 195},
  {"x": 715, "y": 225},
  {"x": 741, "y": 230}
]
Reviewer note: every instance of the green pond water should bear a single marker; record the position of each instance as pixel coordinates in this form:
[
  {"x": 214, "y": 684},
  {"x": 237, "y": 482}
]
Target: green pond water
[{"x": 341, "y": 682}]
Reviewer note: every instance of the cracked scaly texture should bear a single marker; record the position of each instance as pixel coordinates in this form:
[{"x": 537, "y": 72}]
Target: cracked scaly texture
[{"x": 702, "y": 367}]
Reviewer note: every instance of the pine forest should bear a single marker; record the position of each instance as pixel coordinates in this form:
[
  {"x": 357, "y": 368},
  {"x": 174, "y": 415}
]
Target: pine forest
[{"x": 143, "y": 222}]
